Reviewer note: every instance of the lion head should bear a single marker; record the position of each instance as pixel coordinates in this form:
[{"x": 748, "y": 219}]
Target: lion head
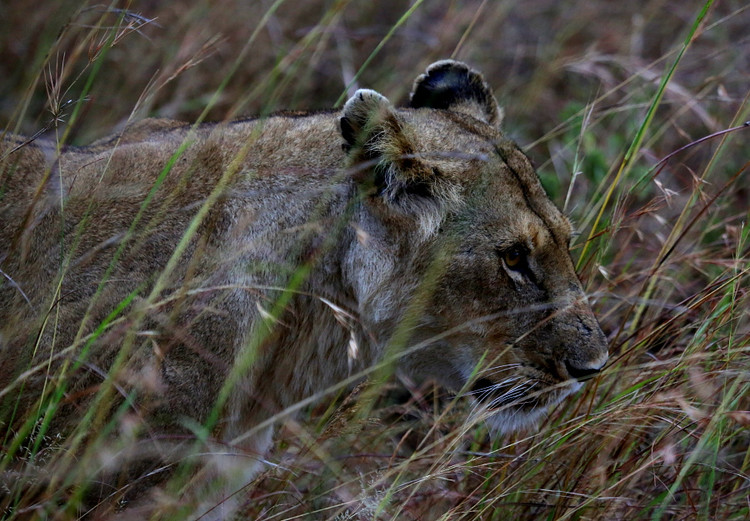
[{"x": 466, "y": 263}]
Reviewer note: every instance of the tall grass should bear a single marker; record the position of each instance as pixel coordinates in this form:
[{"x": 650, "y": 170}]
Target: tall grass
[{"x": 599, "y": 94}]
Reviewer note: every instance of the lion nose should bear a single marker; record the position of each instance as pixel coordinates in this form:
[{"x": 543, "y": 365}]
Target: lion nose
[{"x": 582, "y": 373}]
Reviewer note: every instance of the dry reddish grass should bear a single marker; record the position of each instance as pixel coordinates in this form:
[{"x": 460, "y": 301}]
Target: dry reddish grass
[{"x": 663, "y": 432}]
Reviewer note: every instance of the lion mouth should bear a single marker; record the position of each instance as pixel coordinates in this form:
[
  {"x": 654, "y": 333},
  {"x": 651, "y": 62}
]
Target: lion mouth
[{"x": 519, "y": 394}]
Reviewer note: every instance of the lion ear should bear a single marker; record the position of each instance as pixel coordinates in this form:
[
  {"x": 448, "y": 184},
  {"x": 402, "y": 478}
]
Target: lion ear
[
  {"x": 380, "y": 150},
  {"x": 363, "y": 118},
  {"x": 452, "y": 85}
]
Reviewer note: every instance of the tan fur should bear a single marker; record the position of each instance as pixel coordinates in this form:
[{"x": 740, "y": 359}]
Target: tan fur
[{"x": 400, "y": 219}]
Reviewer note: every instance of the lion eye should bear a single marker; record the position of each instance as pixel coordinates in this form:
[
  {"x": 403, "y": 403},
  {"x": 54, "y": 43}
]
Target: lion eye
[{"x": 514, "y": 258}]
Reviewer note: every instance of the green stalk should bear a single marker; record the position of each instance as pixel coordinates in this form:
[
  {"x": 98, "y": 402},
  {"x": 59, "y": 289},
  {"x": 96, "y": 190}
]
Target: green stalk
[
  {"x": 377, "y": 49},
  {"x": 635, "y": 146}
]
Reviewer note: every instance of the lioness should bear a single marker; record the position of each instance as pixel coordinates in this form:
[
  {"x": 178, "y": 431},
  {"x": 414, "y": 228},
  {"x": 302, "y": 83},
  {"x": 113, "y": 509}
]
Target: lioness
[{"x": 178, "y": 282}]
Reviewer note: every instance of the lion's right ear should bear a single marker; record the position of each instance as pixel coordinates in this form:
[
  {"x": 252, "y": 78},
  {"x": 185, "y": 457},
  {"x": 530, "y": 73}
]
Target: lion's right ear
[
  {"x": 363, "y": 119},
  {"x": 380, "y": 150}
]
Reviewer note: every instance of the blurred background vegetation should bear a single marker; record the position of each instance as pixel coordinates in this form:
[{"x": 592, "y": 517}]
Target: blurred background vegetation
[{"x": 663, "y": 434}]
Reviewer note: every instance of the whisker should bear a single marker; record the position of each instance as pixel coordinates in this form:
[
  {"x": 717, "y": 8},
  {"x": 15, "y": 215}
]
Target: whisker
[{"x": 515, "y": 393}]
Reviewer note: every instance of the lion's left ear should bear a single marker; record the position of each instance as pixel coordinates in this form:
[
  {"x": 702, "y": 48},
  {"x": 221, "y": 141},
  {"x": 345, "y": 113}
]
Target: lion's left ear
[{"x": 452, "y": 85}]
